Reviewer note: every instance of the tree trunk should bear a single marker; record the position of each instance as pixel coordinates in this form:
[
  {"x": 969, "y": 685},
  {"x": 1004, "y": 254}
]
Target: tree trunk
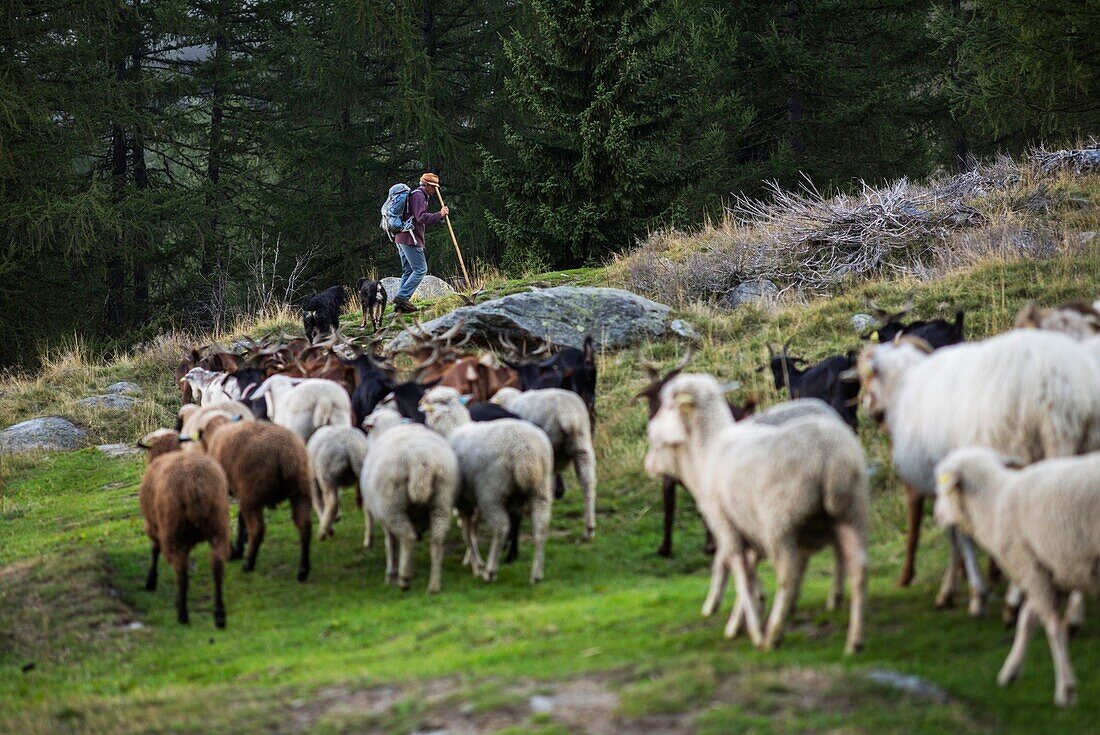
[
  {"x": 211, "y": 251},
  {"x": 140, "y": 246},
  {"x": 794, "y": 93}
]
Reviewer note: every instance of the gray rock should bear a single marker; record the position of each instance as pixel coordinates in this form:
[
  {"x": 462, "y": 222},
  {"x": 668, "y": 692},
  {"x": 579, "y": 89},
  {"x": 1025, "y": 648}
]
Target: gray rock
[
  {"x": 124, "y": 387},
  {"x": 1087, "y": 238},
  {"x": 913, "y": 685},
  {"x": 49, "y": 433},
  {"x": 564, "y": 315},
  {"x": 430, "y": 288},
  {"x": 118, "y": 450},
  {"x": 862, "y": 322},
  {"x": 751, "y": 292},
  {"x": 542, "y": 705},
  {"x": 113, "y": 402},
  {"x": 683, "y": 329}
]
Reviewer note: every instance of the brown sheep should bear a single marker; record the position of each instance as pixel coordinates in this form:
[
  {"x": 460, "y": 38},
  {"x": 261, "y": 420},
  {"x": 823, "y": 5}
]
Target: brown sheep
[
  {"x": 184, "y": 499},
  {"x": 266, "y": 464}
]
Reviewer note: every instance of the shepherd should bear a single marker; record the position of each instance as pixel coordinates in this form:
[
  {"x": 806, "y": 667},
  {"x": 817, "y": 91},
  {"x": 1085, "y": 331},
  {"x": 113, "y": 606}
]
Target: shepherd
[{"x": 410, "y": 243}]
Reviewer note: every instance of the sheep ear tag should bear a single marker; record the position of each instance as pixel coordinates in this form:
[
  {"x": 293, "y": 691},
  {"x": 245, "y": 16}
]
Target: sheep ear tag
[
  {"x": 944, "y": 480},
  {"x": 183, "y": 438},
  {"x": 464, "y": 399},
  {"x": 236, "y": 418},
  {"x": 874, "y": 336}
]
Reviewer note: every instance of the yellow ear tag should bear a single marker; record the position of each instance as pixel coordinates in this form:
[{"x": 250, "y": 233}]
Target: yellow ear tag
[
  {"x": 943, "y": 480},
  {"x": 874, "y": 336}
]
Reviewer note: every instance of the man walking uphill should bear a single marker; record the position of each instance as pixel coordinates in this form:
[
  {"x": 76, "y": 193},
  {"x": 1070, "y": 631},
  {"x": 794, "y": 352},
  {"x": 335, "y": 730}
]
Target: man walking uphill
[{"x": 410, "y": 245}]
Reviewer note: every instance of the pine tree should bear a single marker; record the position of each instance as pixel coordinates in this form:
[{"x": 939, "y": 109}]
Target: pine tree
[
  {"x": 1026, "y": 70},
  {"x": 594, "y": 156}
]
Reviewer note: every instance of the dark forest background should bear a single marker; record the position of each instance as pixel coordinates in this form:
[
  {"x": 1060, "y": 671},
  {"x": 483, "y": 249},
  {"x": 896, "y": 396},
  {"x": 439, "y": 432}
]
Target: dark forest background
[{"x": 175, "y": 163}]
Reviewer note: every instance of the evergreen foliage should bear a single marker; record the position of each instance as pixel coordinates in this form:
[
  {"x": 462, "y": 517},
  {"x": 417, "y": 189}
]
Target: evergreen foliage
[{"x": 176, "y": 162}]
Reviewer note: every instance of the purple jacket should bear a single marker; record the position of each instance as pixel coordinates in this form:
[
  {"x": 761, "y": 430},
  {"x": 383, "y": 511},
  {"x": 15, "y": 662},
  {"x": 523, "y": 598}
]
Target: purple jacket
[{"x": 417, "y": 204}]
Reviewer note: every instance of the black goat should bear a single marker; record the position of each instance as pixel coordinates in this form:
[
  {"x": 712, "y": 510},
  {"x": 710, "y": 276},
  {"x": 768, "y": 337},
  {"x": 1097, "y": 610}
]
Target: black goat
[
  {"x": 373, "y": 380},
  {"x": 570, "y": 368},
  {"x": 936, "y": 332},
  {"x": 372, "y": 297},
  {"x": 321, "y": 311},
  {"x": 817, "y": 381}
]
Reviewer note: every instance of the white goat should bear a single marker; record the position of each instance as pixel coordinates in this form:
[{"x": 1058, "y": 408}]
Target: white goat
[
  {"x": 780, "y": 491},
  {"x": 564, "y": 417},
  {"x": 1028, "y": 393},
  {"x": 1040, "y": 524}
]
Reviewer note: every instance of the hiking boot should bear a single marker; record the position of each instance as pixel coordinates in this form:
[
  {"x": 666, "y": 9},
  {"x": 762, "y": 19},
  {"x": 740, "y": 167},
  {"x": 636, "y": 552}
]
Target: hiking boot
[{"x": 402, "y": 306}]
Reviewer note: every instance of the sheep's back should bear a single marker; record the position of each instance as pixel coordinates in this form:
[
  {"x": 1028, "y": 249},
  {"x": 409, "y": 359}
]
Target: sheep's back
[
  {"x": 264, "y": 462},
  {"x": 187, "y": 495},
  {"x": 506, "y": 451},
  {"x": 1053, "y": 508}
]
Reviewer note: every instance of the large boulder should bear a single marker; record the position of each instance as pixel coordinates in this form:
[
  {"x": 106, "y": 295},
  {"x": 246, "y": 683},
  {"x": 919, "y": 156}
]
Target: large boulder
[
  {"x": 430, "y": 288},
  {"x": 49, "y": 432},
  {"x": 564, "y": 315}
]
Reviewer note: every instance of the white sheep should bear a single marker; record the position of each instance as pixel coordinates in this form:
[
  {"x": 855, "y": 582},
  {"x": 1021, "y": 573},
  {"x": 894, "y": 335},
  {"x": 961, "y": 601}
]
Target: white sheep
[
  {"x": 409, "y": 482},
  {"x": 503, "y": 463},
  {"x": 564, "y": 417},
  {"x": 303, "y": 406},
  {"x": 1028, "y": 393},
  {"x": 336, "y": 455},
  {"x": 1041, "y": 525},
  {"x": 781, "y": 491}
]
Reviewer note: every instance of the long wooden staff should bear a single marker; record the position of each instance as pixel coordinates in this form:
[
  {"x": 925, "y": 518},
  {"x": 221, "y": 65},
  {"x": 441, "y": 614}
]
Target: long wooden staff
[{"x": 469, "y": 285}]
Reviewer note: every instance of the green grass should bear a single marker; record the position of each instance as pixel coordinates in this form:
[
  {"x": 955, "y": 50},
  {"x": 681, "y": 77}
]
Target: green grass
[{"x": 345, "y": 653}]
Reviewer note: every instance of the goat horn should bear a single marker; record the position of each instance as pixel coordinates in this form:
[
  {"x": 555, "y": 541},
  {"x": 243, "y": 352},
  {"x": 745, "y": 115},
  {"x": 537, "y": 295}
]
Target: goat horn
[
  {"x": 649, "y": 367},
  {"x": 507, "y": 343},
  {"x": 453, "y": 331},
  {"x": 541, "y": 350}
]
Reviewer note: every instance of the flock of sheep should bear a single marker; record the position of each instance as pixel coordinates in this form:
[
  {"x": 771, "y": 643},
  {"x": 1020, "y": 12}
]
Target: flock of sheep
[{"x": 998, "y": 432}]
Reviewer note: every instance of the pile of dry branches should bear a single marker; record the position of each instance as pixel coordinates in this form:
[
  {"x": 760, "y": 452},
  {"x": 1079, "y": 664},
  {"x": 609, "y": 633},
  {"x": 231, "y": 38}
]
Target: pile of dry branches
[{"x": 805, "y": 240}]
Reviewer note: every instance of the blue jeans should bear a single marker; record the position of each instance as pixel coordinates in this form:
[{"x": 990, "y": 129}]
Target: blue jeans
[{"x": 413, "y": 269}]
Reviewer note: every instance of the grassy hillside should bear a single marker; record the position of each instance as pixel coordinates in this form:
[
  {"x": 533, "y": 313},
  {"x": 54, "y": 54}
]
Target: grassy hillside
[{"x": 612, "y": 641}]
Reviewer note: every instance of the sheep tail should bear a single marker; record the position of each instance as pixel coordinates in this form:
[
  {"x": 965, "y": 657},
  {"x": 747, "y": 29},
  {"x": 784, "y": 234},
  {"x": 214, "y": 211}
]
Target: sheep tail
[
  {"x": 322, "y": 413},
  {"x": 421, "y": 483}
]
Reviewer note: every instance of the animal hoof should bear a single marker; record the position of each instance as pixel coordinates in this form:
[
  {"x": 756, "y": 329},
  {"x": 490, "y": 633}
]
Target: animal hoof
[
  {"x": 1005, "y": 678},
  {"x": 1009, "y": 615},
  {"x": 664, "y": 551},
  {"x": 184, "y": 619},
  {"x": 589, "y": 534},
  {"x": 1073, "y": 629},
  {"x": 976, "y": 608},
  {"x": 1067, "y": 697},
  {"x": 234, "y": 555},
  {"x": 945, "y": 602},
  {"x": 219, "y": 620},
  {"x": 434, "y": 590},
  {"x": 489, "y": 576},
  {"x": 391, "y": 579},
  {"x": 403, "y": 584},
  {"x": 249, "y": 566},
  {"x": 303, "y": 574},
  {"x": 150, "y": 586},
  {"x": 536, "y": 580},
  {"x": 905, "y": 579},
  {"x": 852, "y": 648}
]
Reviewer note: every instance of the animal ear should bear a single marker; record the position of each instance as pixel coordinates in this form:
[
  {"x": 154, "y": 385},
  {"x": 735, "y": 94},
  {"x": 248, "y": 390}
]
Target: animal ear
[
  {"x": 851, "y": 375},
  {"x": 731, "y": 386},
  {"x": 141, "y": 444},
  {"x": 1013, "y": 462}
]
